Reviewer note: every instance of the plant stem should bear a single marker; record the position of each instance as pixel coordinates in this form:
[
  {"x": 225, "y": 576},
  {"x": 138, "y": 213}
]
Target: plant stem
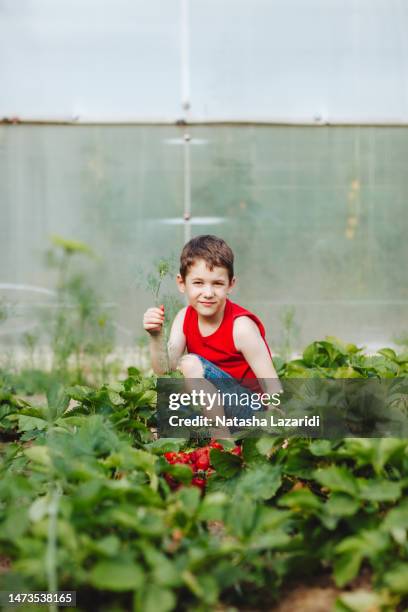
[{"x": 51, "y": 554}]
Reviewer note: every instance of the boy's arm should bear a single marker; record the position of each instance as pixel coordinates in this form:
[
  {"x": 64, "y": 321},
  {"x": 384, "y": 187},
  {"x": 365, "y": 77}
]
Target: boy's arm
[
  {"x": 164, "y": 358},
  {"x": 177, "y": 340},
  {"x": 248, "y": 340}
]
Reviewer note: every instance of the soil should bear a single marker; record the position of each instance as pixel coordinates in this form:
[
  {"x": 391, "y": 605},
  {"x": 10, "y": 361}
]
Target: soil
[
  {"x": 318, "y": 596},
  {"x": 308, "y": 599}
]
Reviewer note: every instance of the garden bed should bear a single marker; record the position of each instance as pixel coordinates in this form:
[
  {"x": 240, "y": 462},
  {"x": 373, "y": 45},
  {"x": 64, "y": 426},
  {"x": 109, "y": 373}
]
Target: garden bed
[{"x": 91, "y": 501}]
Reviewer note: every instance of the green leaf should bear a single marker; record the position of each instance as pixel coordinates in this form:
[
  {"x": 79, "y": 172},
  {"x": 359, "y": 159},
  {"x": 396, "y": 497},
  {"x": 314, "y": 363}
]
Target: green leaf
[
  {"x": 180, "y": 472},
  {"x": 16, "y": 523},
  {"x": 79, "y": 392},
  {"x": 347, "y": 372},
  {"x": 39, "y": 454},
  {"x": 373, "y": 452},
  {"x": 212, "y": 507},
  {"x": 340, "y": 504},
  {"x": 28, "y": 423},
  {"x": 204, "y": 587},
  {"x": 325, "y": 354},
  {"x": 272, "y": 540},
  {"x": 109, "y": 545},
  {"x": 397, "y": 578},
  {"x": 154, "y": 598},
  {"x": 266, "y": 445},
  {"x": 190, "y": 499},
  {"x": 115, "y": 398},
  {"x": 165, "y": 445},
  {"x": 143, "y": 460},
  {"x": 260, "y": 481},
  {"x": 39, "y": 509},
  {"x": 225, "y": 464},
  {"x": 240, "y": 517},
  {"x": 337, "y": 479},
  {"x": 164, "y": 570},
  {"x": 380, "y": 490},
  {"x": 209, "y": 588},
  {"x": 116, "y": 575},
  {"x": 58, "y": 401},
  {"x": 389, "y": 353},
  {"x": 320, "y": 448},
  {"x": 362, "y": 601},
  {"x": 145, "y": 521},
  {"x": 369, "y": 543},
  {"x": 397, "y": 517},
  {"x": 301, "y": 500},
  {"x": 346, "y": 568},
  {"x": 250, "y": 451}
]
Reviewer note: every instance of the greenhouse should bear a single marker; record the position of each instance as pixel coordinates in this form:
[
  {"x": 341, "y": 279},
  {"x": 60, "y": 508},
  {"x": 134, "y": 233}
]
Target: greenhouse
[{"x": 196, "y": 191}]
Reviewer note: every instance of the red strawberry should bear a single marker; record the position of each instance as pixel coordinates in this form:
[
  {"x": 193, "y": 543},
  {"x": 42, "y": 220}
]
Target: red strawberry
[
  {"x": 198, "y": 482},
  {"x": 202, "y": 463},
  {"x": 237, "y": 450},
  {"x": 171, "y": 457},
  {"x": 182, "y": 458},
  {"x": 215, "y": 444},
  {"x": 193, "y": 456}
]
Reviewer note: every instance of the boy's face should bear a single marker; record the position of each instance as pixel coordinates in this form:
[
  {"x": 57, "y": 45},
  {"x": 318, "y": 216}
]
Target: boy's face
[{"x": 207, "y": 290}]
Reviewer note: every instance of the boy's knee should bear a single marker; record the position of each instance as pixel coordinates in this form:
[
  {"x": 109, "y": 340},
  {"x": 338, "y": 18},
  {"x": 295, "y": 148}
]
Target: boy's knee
[{"x": 191, "y": 367}]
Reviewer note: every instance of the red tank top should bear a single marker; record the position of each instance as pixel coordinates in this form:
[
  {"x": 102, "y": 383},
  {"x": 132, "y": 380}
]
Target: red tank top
[{"x": 219, "y": 347}]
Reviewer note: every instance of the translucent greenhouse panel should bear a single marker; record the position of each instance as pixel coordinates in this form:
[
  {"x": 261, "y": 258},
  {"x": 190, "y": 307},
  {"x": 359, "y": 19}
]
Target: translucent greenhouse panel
[
  {"x": 109, "y": 187},
  {"x": 90, "y": 59},
  {"x": 299, "y": 60},
  {"x": 316, "y": 217},
  {"x": 308, "y": 61}
]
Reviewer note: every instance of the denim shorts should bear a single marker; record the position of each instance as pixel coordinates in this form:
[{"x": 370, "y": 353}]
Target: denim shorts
[{"x": 227, "y": 384}]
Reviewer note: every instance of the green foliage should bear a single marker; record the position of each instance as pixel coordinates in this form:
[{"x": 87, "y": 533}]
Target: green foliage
[
  {"x": 71, "y": 247},
  {"x": 290, "y": 333},
  {"x": 163, "y": 269},
  {"x": 85, "y": 503},
  {"x": 332, "y": 358},
  {"x": 3, "y": 311},
  {"x": 79, "y": 327}
]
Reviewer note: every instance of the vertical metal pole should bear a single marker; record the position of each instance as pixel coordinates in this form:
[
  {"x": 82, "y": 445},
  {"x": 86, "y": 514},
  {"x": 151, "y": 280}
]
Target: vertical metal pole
[
  {"x": 185, "y": 103},
  {"x": 187, "y": 189},
  {"x": 185, "y": 59}
]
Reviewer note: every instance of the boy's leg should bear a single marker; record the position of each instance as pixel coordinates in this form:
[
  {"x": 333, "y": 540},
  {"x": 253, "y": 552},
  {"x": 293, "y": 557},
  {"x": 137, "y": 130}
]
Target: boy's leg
[
  {"x": 191, "y": 366},
  {"x": 194, "y": 370}
]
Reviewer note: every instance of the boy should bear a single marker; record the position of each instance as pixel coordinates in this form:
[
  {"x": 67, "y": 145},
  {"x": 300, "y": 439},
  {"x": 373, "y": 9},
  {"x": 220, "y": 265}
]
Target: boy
[{"x": 223, "y": 340}]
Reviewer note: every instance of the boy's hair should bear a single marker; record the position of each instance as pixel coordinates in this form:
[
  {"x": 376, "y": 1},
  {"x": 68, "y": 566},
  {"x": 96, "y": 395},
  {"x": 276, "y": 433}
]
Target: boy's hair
[{"x": 214, "y": 251}]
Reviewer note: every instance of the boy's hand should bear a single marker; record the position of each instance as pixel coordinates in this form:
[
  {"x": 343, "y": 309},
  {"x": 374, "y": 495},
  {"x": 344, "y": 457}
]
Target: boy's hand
[{"x": 153, "y": 320}]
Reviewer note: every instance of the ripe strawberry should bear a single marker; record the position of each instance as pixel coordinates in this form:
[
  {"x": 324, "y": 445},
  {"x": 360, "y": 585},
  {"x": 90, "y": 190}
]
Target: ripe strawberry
[
  {"x": 193, "y": 456},
  {"x": 202, "y": 463},
  {"x": 182, "y": 458},
  {"x": 215, "y": 444},
  {"x": 170, "y": 457},
  {"x": 198, "y": 482},
  {"x": 237, "y": 450},
  {"x": 204, "y": 451}
]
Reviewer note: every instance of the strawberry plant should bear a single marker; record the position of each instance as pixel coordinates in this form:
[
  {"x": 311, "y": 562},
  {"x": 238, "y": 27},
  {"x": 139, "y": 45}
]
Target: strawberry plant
[{"x": 92, "y": 501}]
